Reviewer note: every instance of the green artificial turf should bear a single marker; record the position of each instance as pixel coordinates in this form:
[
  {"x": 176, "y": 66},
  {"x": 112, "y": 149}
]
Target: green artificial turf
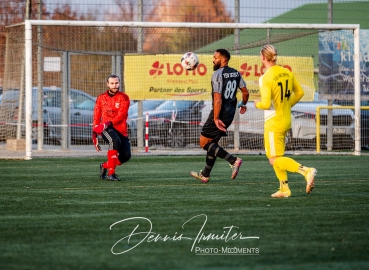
[{"x": 57, "y": 214}]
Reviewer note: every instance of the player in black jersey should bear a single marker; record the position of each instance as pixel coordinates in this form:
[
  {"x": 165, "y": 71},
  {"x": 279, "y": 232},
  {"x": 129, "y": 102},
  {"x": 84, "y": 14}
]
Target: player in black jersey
[{"x": 225, "y": 81}]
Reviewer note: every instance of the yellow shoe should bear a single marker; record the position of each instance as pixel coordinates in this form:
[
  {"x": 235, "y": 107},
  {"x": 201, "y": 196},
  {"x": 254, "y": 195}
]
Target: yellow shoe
[
  {"x": 235, "y": 167},
  {"x": 199, "y": 176},
  {"x": 309, "y": 177},
  {"x": 282, "y": 194}
]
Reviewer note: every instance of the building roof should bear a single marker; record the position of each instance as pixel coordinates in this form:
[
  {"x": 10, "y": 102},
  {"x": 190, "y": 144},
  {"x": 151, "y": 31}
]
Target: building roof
[
  {"x": 343, "y": 13},
  {"x": 295, "y": 42}
]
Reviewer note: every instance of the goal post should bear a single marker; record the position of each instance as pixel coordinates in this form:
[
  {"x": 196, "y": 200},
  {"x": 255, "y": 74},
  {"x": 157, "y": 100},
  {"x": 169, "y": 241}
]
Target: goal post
[{"x": 161, "y": 25}]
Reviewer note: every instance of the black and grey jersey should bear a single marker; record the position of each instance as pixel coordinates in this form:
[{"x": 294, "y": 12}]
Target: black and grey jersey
[{"x": 226, "y": 81}]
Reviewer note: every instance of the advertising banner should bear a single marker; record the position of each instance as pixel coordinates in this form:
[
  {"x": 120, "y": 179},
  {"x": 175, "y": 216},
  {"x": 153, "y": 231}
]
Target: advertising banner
[
  {"x": 336, "y": 64},
  {"x": 162, "y": 77}
]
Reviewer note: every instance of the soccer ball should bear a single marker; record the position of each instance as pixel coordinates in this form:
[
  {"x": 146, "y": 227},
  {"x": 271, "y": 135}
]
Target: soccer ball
[{"x": 189, "y": 61}]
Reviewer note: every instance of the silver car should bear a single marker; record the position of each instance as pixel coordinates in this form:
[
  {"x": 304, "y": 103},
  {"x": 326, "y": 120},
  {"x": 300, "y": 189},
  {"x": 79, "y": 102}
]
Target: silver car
[
  {"x": 303, "y": 128},
  {"x": 81, "y": 113}
]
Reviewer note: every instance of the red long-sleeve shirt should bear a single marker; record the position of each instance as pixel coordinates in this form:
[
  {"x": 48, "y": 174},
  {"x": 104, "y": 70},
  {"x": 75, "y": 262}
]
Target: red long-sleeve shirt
[{"x": 113, "y": 109}]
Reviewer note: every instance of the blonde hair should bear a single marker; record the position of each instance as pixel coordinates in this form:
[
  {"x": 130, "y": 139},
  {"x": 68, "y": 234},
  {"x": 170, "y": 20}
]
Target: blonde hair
[{"x": 269, "y": 52}]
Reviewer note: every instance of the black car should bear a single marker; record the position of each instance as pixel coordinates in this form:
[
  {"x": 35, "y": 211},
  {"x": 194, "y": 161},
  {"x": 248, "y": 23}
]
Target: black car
[{"x": 174, "y": 123}]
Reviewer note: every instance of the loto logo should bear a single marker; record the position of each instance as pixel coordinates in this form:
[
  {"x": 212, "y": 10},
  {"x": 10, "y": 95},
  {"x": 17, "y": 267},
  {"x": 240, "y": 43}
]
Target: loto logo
[
  {"x": 157, "y": 69},
  {"x": 245, "y": 70},
  {"x": 255, "y": 70},
  {"x": 169, "y": 69}
]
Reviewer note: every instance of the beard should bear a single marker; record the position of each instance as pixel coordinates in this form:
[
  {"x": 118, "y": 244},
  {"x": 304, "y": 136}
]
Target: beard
[
  {"x": 216, "y": 67},
  {"x": 113, "y": 91}
]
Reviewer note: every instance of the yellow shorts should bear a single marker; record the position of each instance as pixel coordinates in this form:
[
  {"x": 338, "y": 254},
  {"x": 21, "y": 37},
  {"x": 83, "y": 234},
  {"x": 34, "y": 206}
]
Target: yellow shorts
[{"x": 274, "y": 143}]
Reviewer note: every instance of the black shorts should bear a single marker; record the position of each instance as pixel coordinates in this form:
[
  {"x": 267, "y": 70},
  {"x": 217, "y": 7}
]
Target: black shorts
[{"x": 210, "y": 130}]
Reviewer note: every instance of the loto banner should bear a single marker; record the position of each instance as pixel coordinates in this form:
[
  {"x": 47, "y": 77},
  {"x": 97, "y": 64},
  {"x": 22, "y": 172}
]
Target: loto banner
[{"x": 161, "y": 76}]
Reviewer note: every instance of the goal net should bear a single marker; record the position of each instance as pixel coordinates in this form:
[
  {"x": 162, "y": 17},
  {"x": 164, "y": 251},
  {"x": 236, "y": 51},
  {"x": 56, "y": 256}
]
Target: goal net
[{"x": 54, "y": 71}]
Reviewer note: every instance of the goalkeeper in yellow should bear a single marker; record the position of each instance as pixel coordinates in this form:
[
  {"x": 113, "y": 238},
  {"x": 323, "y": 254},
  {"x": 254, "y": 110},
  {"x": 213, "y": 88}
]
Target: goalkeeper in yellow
[{"x": 280, "y": 91}]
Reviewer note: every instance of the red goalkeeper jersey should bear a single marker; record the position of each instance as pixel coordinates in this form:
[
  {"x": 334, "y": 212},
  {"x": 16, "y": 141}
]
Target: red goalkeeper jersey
[{"x": 113, "y": 109}]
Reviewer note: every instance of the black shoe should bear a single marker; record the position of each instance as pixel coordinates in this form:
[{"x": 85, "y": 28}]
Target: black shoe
[
  {"x": 113, "y": 177},
  {"x": 103, "y": 172}
]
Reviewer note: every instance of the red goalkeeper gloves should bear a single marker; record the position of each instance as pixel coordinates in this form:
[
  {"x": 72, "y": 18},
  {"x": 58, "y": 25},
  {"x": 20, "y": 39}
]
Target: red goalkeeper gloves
[
  {"x": 100, "y": 128},
  {"x": 96, "y": 141}
]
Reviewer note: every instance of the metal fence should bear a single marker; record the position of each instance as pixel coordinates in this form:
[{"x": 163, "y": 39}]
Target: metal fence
[{"x": 77, "y": 60}]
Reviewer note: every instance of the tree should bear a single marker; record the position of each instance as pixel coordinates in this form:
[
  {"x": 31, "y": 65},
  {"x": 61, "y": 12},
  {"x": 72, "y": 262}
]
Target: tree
[
  {"x": 181, "y": 40},
  {"x": 126, "y": 11},
  {"x": 13, "y": 12},
  {"x": 207, "y": 11},
  {"x": 176, "y": 40}
]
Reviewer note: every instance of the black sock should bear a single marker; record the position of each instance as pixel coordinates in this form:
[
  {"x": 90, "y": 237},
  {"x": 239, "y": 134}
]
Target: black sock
[
  {"x": 210, "y": 161},
  {"x": 215, "y": 150}
]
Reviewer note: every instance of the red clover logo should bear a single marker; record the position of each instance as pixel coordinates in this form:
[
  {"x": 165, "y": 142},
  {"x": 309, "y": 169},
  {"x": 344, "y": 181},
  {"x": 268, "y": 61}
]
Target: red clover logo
[{"x": 157, "y": 69}]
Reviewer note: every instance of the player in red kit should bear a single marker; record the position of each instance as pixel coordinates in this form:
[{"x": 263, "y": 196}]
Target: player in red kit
[{"x": 110, "y": 121}]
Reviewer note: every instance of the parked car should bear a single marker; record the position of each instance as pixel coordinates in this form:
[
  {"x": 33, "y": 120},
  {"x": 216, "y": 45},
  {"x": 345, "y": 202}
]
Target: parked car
[
  {"x": 303, "y": 128},
  {"x": 364, "y": 120},
  {"x": 173, "y": 123},
  {"x": 81, "y": 113},
  {"x": 304, "y": 125},
  {"x": 147, "y": 105}
]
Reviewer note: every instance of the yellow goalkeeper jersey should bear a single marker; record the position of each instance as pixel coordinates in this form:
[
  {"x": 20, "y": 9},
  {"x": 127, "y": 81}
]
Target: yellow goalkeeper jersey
[{"x": 280, "y": 91}]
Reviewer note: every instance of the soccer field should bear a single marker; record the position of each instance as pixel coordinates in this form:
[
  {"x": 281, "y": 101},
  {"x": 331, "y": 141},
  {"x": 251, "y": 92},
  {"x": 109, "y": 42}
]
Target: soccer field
[{"x": 57, "y": 214}]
